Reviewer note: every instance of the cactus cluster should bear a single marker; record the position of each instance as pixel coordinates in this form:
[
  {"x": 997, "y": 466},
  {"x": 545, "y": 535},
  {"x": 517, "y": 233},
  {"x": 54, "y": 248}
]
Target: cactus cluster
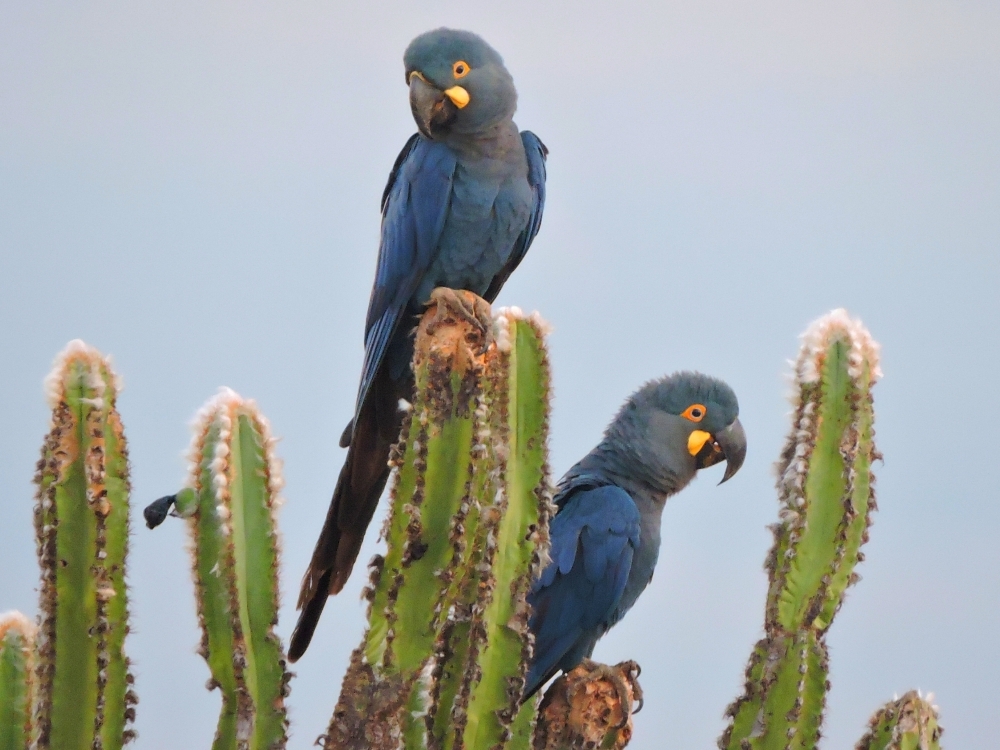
[{"x": 443, "y": 660}]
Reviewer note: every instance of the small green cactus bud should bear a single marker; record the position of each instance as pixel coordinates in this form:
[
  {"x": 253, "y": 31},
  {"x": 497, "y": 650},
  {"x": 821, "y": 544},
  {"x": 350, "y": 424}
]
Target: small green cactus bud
[
  {"x": 17, "y": 646},
  {"x": 907, "y": 723},
  {"x": 85, "y": 697},
  {"x": 231, "y": 504}
]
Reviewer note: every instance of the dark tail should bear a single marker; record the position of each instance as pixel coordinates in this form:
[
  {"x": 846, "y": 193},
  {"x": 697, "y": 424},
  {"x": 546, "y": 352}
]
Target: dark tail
[{"x": 361, "y": 481}]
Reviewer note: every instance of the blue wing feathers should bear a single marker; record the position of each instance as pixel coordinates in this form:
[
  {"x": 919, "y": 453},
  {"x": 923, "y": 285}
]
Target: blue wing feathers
[
  {"x": 415, "y": 206},
  {"x": 594, "y": 536},
  {"x": 535, "y": 152}
]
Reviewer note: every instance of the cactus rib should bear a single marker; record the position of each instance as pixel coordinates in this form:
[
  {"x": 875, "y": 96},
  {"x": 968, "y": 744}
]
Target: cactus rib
[
  {"x": 231, "y": 505},
  {"x": 907, "y": 723},
  {"x": 85, "y": 698},
  {"x": 827, "y": 497},
  {"x": 17, "y": 646}
]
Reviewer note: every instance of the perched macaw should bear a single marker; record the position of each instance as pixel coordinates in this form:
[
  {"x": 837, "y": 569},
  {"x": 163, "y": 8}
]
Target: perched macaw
[
  {"x": 606, "y": 532},
  {"x": 462, "y": 205}
]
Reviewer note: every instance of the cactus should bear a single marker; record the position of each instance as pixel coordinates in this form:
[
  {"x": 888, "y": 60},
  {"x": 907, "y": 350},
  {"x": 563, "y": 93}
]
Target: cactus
[
  {"x": 826, "y": 492},
  {"x": 907, "y": 723},
  {"x": 85, "y": 699},
  {"x": 467, "y": 530},
  {"x": 231, "y": 503},
  {"x": 17, "y": 645}
]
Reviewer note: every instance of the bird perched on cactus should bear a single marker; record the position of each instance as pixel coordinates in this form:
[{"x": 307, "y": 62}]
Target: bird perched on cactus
[
  {"x": 462, "y": 205},
  {"x": 606, "y": 533}
]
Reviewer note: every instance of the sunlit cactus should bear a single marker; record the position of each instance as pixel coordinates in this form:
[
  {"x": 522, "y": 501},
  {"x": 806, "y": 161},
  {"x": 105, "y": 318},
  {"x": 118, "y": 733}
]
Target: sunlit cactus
[
  {"x": 447, "y": 637},
  {"x": 825, "y": 487},
  {"x": 231, "y": 503},
  {"x": 907, "y": 723},
  {"x": 85, "y": 699},
  {"x": 17, "y": 646}
]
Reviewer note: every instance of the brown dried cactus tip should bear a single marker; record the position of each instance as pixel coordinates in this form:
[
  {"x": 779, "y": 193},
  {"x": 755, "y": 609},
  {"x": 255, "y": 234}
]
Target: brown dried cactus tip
[{"x": 590, "y": 707}]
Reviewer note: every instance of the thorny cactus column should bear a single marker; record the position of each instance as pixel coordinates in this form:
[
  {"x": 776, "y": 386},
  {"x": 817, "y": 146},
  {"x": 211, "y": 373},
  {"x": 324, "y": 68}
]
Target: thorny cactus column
[
  {"x": 511, "y": 543},
  {"x": 231, "y": 504},
  {"x": 85, "y": 699},
  {"x": 826, "y": 491},
  {"x": 17, "y": 645},
  {"x": 466, "y": 532},
  {"x": 907, "y": 723}
]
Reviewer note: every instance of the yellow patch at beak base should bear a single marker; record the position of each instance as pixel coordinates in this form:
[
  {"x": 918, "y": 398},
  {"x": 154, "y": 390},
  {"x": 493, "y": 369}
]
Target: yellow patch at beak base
[
  {"x": 458, "y": 96},
  {"x": 697, "y": 440}
]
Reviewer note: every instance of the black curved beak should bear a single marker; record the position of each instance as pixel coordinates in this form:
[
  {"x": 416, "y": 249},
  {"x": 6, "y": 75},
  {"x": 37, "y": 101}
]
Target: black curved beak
[
  {"x": 733, "y": 443},
  {"x": 432, "y": 109},
  {"x": 729, "y": 445}
]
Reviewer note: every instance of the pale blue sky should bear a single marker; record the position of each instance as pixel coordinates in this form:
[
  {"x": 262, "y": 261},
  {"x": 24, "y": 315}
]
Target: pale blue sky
[{"x": 193, "y": 188}]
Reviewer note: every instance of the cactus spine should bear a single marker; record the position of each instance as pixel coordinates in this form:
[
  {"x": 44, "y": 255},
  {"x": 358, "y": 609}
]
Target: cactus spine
[
  {"x": 85, "y": 698},
  {"x": 826, "y": 492},
  {"x": 231, "y": 504},
  {"x": 17, "y": 645},
  {"x": 466, "y": 531},
  {"x": 908, "y": 723}
]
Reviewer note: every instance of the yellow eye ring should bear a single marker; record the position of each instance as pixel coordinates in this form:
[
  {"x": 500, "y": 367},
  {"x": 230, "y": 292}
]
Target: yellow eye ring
[
  {"x": 695, "y": 412},
  {"x": 460, "y": 69}
]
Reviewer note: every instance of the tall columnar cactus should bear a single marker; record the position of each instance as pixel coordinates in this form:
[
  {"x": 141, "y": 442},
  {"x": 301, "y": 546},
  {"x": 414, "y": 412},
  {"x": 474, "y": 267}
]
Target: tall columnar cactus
[
  {"x": 85, "y": 699},
  {"x": 826, "y": 492},
  {"x": 17, "y": 646},
  {"x": 467, "y": 529},
  {"x": 231, "y": 503},
  {"x": 907, "y": 723}
]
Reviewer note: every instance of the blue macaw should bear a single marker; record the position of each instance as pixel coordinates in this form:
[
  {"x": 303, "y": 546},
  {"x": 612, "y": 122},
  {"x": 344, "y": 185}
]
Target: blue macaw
[
  {"x": 462, "y": 205},
  {"x": 606, "y": 533}
]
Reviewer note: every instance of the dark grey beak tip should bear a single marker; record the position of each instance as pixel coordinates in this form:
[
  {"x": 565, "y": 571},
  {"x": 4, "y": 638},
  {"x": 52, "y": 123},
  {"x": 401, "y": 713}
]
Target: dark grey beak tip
[{"x": 733, "y": 442}]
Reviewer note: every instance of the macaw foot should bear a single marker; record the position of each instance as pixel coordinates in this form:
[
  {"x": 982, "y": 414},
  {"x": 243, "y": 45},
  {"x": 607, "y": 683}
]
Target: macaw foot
[
  {"x": 465, "y": 306},
  {"x": 626, "y": 693}
]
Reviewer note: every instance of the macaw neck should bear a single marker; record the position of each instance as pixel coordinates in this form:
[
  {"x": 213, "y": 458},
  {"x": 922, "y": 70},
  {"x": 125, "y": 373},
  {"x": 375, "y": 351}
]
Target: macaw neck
[
  {"x": 619, "y": 464},
  {"x": 485, "y": 143}
]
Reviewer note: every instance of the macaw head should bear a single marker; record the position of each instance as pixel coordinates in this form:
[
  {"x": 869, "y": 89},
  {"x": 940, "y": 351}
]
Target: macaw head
[
  {"x": 689, "y": 422},
  {"x": 458, "y": 84}
]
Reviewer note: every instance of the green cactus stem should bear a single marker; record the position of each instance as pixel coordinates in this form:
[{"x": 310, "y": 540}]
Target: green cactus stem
[
  {"x": 465, "y": 534},
  {"x": 826, "y": 491},
  {"x": 85, "y": 699},
  {"x": 426, "y": 533},
  {"x": 907, "y": 723},
  {"x": 231, "y": 504},
  {"x": 17, "y": 645},
  {"x": 512, "y": 533}
]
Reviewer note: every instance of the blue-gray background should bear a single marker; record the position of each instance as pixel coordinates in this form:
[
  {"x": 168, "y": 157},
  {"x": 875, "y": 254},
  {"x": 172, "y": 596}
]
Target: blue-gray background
[{"x": 193, "y": 187}]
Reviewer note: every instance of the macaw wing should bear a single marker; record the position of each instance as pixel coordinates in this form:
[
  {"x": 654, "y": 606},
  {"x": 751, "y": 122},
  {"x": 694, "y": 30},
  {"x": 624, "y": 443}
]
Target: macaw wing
[
  {"x": 415, "y": 207},
  {"x": 594, "y": 536},
  {"x": 535, "y": 151}
]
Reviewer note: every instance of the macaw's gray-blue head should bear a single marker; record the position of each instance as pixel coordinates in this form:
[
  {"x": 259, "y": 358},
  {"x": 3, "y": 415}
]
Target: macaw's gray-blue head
[
  {"x": 685, "y": 422},
  {"x": 458, "y": 84}
]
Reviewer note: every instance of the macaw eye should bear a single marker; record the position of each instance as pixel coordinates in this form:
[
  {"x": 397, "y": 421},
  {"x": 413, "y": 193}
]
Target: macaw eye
[
  {"x": 460, "y": 69},
  {"x": 695, "y": 412}
]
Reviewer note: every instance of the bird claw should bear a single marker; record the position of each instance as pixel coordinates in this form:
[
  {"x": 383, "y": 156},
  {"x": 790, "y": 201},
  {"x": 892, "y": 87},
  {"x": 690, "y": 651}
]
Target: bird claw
[
  {"x": 465, "y": 306},
  {"x": 626, "y": 697}
]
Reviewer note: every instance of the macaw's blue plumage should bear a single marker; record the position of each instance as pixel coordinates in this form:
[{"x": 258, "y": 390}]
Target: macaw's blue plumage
[
  {"x": 606, "y": 533},
  {"x": 462, "y": 205}
]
